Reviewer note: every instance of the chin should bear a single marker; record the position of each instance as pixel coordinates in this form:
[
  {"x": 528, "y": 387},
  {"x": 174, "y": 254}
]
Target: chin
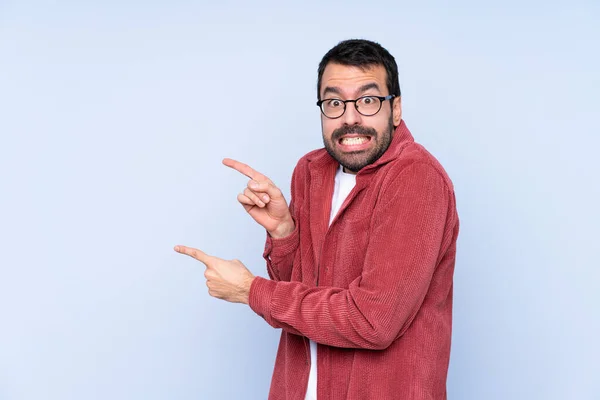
[{"x": 353, "y": 162}]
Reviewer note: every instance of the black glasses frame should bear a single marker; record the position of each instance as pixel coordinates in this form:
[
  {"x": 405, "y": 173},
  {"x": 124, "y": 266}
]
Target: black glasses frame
[{"x": 381, "y": 100}]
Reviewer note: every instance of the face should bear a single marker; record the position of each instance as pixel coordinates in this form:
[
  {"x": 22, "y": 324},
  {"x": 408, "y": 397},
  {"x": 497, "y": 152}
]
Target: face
[{"x": 355, "y": 140}]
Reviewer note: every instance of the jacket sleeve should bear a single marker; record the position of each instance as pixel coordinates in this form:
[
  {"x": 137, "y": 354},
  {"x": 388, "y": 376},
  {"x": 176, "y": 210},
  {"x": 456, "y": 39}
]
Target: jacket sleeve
[
  {"x": 280, "y": 253},
  {"x": 405, "y": 240}
]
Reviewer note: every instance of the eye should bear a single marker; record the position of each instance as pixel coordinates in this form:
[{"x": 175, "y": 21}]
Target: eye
[
  {"x": 368, "y": 100},
  {"x": 334, "y": 103}
]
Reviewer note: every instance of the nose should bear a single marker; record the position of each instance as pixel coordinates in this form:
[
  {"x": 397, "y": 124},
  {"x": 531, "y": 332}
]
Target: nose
[{"x": 351, "y": 115}]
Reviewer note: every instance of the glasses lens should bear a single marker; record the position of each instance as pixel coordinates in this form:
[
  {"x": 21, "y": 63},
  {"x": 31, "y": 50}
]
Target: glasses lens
[
  {"x": 332, "y": 108},
  {"x": 368, "y": 105}
]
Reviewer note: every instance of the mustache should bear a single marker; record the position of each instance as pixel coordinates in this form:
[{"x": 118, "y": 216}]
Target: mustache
[{"x": 355, "y": 129}]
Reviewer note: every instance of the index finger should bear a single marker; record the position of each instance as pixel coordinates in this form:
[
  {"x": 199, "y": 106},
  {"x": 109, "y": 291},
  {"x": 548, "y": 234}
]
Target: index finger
[
  {"x": 244, "y": 169},
  {"x": 194, "y": 253}
]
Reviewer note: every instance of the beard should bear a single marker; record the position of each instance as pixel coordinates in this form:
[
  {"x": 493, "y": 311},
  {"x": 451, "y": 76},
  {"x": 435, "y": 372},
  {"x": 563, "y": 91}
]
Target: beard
[{"x": 356, "y": 160}]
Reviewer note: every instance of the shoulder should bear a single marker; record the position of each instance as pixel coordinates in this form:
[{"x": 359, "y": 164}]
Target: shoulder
[
  {"x": 301, "y": 174},
  {"x": 302, "y": 164},
  {"x": 315, "y": 155},
  {"x": 416, "y": 161}
]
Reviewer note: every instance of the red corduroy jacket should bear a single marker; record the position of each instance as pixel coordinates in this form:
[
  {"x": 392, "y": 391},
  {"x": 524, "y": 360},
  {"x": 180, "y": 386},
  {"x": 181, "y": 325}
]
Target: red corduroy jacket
[{"x": 373, "y": 289}]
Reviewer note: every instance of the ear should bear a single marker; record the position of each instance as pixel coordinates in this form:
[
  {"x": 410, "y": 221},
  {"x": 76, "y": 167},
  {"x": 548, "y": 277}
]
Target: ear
[{"x": 397, "y": 110}]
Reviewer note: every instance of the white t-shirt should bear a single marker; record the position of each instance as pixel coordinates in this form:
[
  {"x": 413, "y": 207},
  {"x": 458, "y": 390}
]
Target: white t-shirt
[{"x": 344, "y": 183}]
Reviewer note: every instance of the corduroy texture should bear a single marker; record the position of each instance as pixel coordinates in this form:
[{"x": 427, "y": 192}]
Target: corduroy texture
[{"x": 374, "y": 289}]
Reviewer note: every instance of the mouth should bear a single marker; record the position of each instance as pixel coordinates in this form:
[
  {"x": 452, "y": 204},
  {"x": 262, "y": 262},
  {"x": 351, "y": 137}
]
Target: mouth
[{"x": 354, "y": 142}]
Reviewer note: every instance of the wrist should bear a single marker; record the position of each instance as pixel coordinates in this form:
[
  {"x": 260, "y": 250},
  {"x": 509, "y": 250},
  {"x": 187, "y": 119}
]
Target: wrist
[
  {"x": 246, "y": 292},
  {"x": 284, "y": 229}
]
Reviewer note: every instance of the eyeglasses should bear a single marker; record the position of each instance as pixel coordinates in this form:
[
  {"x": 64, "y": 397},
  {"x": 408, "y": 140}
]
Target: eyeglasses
[{"x": 365, "y": 105}]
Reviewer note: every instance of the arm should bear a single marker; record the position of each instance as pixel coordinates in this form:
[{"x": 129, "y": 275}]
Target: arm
[
  {"x": 279, "y": 253},
  {"x": 265, "y": 203},
  {"x": 378, "y": 306}
]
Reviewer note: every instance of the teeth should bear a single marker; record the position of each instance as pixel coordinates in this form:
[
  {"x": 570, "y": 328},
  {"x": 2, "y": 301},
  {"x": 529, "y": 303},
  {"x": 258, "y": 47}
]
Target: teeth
[{"x": 354, "y": 140}]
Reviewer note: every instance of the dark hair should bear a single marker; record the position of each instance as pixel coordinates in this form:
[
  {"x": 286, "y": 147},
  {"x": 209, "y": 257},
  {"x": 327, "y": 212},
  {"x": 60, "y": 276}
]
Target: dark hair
[{"x": 363, "y": 54}]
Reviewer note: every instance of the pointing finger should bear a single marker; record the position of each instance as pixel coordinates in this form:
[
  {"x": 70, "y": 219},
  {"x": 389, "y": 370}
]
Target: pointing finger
[
  {"x": 195, "y": 253},
  {"x": 244, "y": 169}
]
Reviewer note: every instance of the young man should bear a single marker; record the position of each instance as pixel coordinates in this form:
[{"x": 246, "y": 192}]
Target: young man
[{"x": 362, "y": 260}]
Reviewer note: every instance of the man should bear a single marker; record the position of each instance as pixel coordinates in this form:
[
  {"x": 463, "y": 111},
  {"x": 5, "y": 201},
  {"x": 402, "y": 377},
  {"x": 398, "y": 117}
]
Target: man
[{"x": 361, "y": 262}]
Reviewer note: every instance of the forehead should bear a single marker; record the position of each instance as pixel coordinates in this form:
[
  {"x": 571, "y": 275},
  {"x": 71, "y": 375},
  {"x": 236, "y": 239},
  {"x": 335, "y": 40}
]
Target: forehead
[{"x": 350, "y": 78}]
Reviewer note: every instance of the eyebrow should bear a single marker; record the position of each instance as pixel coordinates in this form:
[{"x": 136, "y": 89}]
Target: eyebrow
[
  {"x": 364, "y": 88},
  {"x": 368, "y": 86}
]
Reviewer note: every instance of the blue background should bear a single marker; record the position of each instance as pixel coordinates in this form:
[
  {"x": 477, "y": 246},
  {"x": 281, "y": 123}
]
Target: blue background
[{"x": 114, "y": 118}]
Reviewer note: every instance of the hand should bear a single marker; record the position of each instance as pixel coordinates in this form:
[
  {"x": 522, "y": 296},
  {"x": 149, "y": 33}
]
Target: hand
[
  {"x": 229, "y": 280},
  {"x": 264, "y": 201}
]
